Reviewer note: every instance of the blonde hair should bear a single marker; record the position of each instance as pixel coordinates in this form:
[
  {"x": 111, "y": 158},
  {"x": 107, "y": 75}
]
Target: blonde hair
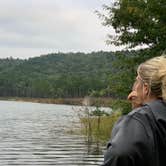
[{"x": 153, "y": 72}]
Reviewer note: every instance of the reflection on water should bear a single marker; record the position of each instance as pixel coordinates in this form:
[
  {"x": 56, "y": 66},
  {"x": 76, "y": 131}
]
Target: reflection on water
[{"x": 36, "y": 134}]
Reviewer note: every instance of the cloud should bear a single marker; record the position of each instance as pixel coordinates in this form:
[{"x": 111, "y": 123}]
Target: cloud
[{"x": 39, "y": 25}]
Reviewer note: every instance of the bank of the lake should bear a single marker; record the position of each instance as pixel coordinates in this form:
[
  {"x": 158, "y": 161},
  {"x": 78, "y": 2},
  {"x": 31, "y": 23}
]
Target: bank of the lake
[
  {"x": 101, "y": 101},
  {"x": 97, "y": 125}
]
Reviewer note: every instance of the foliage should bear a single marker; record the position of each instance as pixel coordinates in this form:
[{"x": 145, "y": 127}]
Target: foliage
[
  {"x": 124, "y": 71},
  {"x": 137, "y": 22},
  {"x": 70, "y": 75},
  {"x": 98, "y": 127},
  {"x": 121, "y": 105},
  {"x": 56, "y": 75}
]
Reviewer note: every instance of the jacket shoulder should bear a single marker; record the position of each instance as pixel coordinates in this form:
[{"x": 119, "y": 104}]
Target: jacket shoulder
[
  {"x": 130, "y": 138},
  {"x": 129, "y": 130},
  {"x": 140, "y": 110}
]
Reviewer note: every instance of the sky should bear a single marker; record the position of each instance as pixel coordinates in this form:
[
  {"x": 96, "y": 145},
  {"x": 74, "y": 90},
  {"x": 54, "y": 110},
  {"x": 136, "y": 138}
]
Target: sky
[{"x": 30, "y": 28}]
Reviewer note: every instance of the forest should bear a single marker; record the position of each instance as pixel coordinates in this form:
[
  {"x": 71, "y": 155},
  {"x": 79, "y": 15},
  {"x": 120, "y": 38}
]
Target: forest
[
  {"x": 58, "y": 75},
  {"x": 68, "y": 75}
]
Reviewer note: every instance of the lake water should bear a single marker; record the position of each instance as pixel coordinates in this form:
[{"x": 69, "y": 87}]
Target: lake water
[{"x": 38, "y": 134}]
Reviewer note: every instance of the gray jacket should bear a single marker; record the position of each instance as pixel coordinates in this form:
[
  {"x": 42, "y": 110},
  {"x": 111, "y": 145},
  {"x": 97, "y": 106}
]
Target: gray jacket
[{"x": 139, "y": 138}]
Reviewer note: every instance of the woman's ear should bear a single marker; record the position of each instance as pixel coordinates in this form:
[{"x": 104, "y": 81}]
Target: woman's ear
[{"x": 146, "y": 89}]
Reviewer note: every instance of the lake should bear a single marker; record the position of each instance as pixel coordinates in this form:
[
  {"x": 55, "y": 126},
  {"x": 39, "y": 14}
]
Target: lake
[{"x": 39, "y": 134}]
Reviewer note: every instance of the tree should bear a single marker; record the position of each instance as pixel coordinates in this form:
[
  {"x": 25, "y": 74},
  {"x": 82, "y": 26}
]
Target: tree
[{"x": 137, "y": 22}]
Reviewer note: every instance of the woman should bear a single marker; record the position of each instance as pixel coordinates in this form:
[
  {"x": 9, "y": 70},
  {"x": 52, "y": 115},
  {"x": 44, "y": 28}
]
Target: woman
[{"x": 139, "y": 138}]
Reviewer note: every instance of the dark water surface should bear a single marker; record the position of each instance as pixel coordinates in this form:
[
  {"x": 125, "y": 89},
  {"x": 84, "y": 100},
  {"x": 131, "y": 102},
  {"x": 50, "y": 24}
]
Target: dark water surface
[{"x": 37, "y": 134}]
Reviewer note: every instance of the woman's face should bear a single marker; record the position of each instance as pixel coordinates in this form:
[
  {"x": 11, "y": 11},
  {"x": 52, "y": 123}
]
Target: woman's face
[{"x": 137, "y": 94}]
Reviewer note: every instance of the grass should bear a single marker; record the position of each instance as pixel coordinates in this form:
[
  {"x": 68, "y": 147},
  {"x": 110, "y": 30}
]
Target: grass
[{"x": 99, "y": 127}]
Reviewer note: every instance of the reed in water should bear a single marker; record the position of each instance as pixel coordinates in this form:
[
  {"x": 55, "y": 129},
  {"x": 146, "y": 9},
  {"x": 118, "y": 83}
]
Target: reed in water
[{"x": 97, "y": 124}]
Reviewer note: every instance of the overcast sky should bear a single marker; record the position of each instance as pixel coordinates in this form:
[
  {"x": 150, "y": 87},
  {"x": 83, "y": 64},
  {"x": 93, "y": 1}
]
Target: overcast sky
[{"x": 31, "y": 28}]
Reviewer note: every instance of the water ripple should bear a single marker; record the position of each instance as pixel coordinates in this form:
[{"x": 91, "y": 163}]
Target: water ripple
[{"x": 35, "y": 134}]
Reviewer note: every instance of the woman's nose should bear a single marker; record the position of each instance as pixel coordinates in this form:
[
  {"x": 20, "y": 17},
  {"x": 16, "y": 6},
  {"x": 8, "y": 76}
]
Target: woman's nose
[{"x": 132, "y": 95}]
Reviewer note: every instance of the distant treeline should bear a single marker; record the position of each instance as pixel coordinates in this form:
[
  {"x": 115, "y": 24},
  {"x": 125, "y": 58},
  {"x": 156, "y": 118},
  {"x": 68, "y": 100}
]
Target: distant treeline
[{"x": 65, "y": 75}]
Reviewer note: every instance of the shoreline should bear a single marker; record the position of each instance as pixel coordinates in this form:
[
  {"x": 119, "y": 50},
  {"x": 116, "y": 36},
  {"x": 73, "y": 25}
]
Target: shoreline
[{"x": 94, "y": 101}]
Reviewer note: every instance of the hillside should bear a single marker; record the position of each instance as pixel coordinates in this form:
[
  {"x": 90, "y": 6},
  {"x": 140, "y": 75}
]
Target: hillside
[{"x": 56, "y": 75}]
